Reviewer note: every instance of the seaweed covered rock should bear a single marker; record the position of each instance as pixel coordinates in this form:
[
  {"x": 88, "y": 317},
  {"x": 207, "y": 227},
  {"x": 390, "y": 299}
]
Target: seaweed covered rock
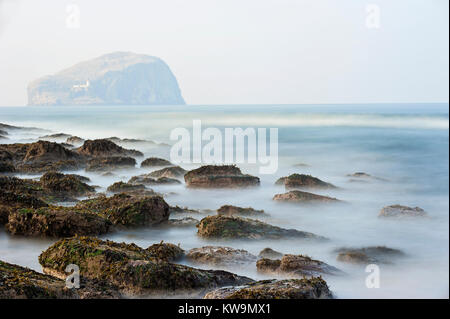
[
  {"x": 128, "y": 210},
  {"x": 296, "y": 265},
  {"x": 230, "y": 210},
  {"x": 303, "y": 181},
  {"x": 269, "y": 253},
  {"x": 155, "y": 161},
  {"x": 146, "y": 179},
  {"x": 399, "y": 211},
  {"x": 55, "y": 221},
  {"x": 18, "y": 282},
  {"x": 305, "y": 288},
  {"x": 105, "y": 164},
  {"x": 10, "y": 202},
  {"x": 71, "y": 185},
  {"x": 166, "y": 251},
  {"x": 219, "y": 176},
  {"x": 220, "y": 256},
  {"x": 227, "y": 227},
  {"x": 119, "y": 187},
  {"x": 105, "y": 148},
  {"x": 133, "y": 269},
  {"x": 40, "y": 157},
  {"x": 169, "y": 172},
  {"x": 303, "y": 197},
  {"x": 369, "y": 255}
]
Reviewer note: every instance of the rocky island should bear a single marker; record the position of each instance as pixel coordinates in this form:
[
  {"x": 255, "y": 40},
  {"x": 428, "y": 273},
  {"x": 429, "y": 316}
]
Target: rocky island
[{"x": 119, "y": 78}]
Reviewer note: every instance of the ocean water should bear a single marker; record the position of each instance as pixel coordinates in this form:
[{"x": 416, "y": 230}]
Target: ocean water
[{"x": 406, "y": 145}]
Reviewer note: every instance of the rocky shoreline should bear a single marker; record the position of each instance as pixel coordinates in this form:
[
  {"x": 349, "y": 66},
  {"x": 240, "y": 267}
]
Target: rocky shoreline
[{"x": 66, "y": 207}]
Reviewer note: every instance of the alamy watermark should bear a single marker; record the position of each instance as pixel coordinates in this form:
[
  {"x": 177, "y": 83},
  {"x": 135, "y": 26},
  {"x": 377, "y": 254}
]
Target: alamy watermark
[
  {"x": 73, "y": 16},
  {"x": 373, "y": 279},
  {"x": 227, "y": 146},
  {"x": 373, "y": 15},
  {"x": 73, "y": 279}
]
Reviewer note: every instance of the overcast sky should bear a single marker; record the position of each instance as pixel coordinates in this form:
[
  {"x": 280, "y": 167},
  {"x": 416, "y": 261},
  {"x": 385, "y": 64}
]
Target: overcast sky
[{"x": 242, "y": 51}]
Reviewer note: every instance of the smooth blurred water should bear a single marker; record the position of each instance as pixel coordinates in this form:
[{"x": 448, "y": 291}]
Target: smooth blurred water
[{"x": 406, "y": 144}]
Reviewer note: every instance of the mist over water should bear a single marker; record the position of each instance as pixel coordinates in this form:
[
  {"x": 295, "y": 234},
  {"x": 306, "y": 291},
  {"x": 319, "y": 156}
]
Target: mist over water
[{"x": 404, "y": 145}]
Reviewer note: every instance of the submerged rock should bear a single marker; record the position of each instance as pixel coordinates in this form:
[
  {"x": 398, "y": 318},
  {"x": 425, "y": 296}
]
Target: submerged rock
[
  {"x": 215, "y": 176},
  {"x": 128, "y": 210},
  {"x": 312, "y": 288},
  {"x": 119, "y": 187},
  {"x": 105, "y": 164},
  {"x": 296, "y": 265},
  {"x": 269, "y": 253},
  {"x": 220, "y": 256},
  {"x": 230, "y": 210},
  {"x": 55, "y": 222},
  {"x": 169, "y": 172},
  {"x": 183, "y": 222},
  {"x": 303, "y": 197},
  {"x": 227, "y": 227},
  {"x": 105, "y": 148},
  {"x": 155, "y": 161},
  {"x": 148, "y": 180},
  {"x": 134, "y": 270},
  {"x": 303, "y": 181},
  {"x": 75, "y": 140},
  {"x": 399, "y": 211},
  {"x": 369, "y": 255}
]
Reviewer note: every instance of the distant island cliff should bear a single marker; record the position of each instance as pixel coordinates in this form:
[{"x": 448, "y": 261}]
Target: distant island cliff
[{"x": 112, "y": 79}]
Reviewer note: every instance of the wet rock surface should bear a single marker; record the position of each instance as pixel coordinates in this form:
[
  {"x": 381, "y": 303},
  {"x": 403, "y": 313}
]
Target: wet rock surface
[
  {"x": 369, "y": 255},
  {"x": 169, "y": 172},
  {"x": 119, "y": 187},
  {"x": 105, "y": 148},
  {"x": 303, "y": 197},
  {"x": 128, "y": 210},
  {"x": 226, "y": 176},
  {"x": 296, "y": 265},
  {"x": 182, "y": 222},
  {"x": 148, "y": 180},
  {"x": 155, "y": 162},
  {"x": 227, "y": 227},
  {"x": 10, "y": 202},
  {"x": 303, "y": 181},
  {"x": 230, "y": 210},
  {"x": 166, "y": 251},
  {"x": 133, "y": 270},
  {"x": 105, "y": 164},
  {"x": 55, "y": 221},
  {"x": 399, "y": 211},
  {"x": 65, "y": 185},
  {"x": 220, "y": 256},
  {"x": 313, "y": 288}
]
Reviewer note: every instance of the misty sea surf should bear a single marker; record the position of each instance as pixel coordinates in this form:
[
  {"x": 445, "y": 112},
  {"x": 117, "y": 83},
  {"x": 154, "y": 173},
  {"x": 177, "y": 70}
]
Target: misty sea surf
[{"x": 404, "y": 145}]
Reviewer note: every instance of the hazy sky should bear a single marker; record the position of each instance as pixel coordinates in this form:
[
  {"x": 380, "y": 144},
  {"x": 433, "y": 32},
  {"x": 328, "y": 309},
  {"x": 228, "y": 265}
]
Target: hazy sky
[{"x": 242, "y": 51}]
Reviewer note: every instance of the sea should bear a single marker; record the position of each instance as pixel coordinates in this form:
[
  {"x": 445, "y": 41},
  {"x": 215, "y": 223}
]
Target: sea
[{"x": 405, "y": 147}]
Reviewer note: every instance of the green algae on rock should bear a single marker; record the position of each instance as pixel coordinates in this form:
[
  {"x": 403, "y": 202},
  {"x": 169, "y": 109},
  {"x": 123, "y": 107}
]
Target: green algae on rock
[{"x": 228, "y": 227}]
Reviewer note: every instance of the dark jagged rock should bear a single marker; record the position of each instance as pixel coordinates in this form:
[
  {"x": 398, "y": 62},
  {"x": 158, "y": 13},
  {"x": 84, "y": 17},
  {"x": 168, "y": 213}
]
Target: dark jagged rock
[
  {"x": 155, "y": 161},
  {"x": 304, "y": 197},
  {"x": 269, "y": 253},
  {"x": 296, "y": 265},
  {"x": 312, "y": 288},
  {"x": 169, "y": 172},
  {"x": 121, "y": 187},
  {"x": 230, "y": 210},
  {"x": 133, "y": 269},
  {"x": 303, "y": 181},
  {"x": 226, "y": 176},
  {"x": 10, "y": 202},
  {"x": 71, "y": 185},
  {"x": 103, "y": 164},
  {"x": 105, "y": 148},
  {"x": 227, "y": 227},
  {"x": 399, "y": 211},
  {"x": 147, "y": 180},
  {"x": 369, "y": 255},
  {"x": 220, "y": 256},
  {"x": 127, "y": 210},
  {"x": 55, "y": 221}
]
